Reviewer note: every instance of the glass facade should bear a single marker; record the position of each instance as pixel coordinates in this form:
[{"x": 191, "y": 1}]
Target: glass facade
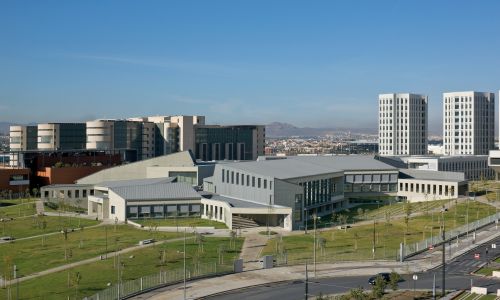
[
  {"x": 128, "y": 135},
  {"x": 358, "y": 183},
  {"x": 72, "y": 136},
  {"x": 219, "y": 143},
  {"x": 320, "y": 191},
  {"x": 188, "y": 177},
  {"x": 160, "y": 211}
]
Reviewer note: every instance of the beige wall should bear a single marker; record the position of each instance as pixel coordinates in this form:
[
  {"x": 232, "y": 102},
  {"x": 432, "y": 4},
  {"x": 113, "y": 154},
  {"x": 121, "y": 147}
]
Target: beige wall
[{"x": 416, "y": 190}]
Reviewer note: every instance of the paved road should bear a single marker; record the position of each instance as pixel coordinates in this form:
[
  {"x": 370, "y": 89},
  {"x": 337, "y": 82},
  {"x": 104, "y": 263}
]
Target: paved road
[{"x": 457, "y": 277}]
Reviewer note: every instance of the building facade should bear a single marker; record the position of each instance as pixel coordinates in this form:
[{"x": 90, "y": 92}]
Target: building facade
[
  {"x": 61, "y": 136},
  {"x": 239, "y": 142},
  {"x": 22, "y": 138},
  {"x": 468, "y": 123},
  {"x": 403, "y": 124}
]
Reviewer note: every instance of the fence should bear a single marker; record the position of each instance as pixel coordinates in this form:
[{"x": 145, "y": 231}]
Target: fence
[
  {"x": 453, "y": 234},
  {"x": 126, "y": 289}
]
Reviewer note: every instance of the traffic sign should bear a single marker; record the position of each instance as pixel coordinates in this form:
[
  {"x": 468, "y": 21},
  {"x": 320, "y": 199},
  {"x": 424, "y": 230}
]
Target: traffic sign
[{"x": 477, "y": 256}]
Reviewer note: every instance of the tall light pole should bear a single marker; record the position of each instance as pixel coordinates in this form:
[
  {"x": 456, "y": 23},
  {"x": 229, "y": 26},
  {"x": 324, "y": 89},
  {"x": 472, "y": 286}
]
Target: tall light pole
[
  {"x": 184, "y": 263},
  {"x": 307, "y": 283},
  {"x": 314, "y": 245},
  {"x": 373, "y": 249},
  {"x": 305, "y": 217},
  {"x": 443, "y": 257}
]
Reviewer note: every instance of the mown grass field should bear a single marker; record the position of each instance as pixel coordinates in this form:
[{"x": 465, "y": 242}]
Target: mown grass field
[
  {"x": 356, "y": 243},
  {"x": 96, "y": 276},
  {"x": 181, "y": 222},
  {"x": 17, "y": 209},
  {"x": 41, "y": 253},
  {"x": 34, "y": 225}
]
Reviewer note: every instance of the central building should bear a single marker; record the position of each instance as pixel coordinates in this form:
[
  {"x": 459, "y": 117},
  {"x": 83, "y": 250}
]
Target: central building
[{"x": 403, "y": 124}]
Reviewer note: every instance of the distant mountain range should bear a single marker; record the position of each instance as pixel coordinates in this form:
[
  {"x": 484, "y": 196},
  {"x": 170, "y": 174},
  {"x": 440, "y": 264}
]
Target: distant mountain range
[{"x": 277, "y": 129}]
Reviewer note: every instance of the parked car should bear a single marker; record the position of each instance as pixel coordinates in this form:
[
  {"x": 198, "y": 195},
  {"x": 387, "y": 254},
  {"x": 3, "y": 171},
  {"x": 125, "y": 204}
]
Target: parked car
[
  {"x": 145, "y": 242},
  {"x": 343, "y": 226},
  {"x": 7, "y": 238},
  {"x": 385, "y": 276}
]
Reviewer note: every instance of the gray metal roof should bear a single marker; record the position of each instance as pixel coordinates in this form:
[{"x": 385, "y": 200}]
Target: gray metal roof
[
  {"x": 347, "y": 162},
  {"x": 302, "y": 166},
  {"x": 159, "y": 191},
  {"x": 432, "y": 175},
  {"x": 135, "y": 182},
  {"x": 238, "y": 203},
  {"x": 283, "y": 168},
  {"x": 68, "y": 186}
]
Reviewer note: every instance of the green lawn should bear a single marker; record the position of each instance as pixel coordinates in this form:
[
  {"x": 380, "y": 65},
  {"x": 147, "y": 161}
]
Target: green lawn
[
  {"x": 487, "y": 271},
  {"x": 356, "y": 243},
  {"x": 17, "y": 210},
  {"x": 30, "y": 256},
  {"x": 95, "y": 276},
  {"x": 33, "y": 225},
  {"x": 182, "y": 222}
]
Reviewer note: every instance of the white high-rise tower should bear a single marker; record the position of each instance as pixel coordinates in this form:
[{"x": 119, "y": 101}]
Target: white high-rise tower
[
  {"x": 402, "y": 124},
  {"x": 468, "y": 123}
]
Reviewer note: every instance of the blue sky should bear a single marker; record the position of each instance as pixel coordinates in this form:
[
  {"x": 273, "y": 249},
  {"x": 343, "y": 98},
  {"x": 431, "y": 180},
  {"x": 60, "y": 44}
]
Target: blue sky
[{"x": 309, "y": 63}]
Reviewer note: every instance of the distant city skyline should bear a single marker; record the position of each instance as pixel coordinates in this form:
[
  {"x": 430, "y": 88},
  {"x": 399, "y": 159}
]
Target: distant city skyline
[{"x": 319, "y": 64}]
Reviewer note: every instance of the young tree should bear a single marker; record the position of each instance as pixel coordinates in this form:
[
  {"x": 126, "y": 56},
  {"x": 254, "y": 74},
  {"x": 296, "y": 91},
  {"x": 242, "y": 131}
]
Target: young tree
[
  {"x": 232, "y": 241},
  {"x": 394, "y": 278},
  {"x": 75, "y": 281},
  {"x": 379, "y": 287},
  {"x": 408, "y": 211}
]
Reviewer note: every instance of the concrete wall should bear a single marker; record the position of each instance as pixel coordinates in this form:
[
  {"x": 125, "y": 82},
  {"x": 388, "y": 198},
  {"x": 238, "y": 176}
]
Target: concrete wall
[{"x": 416, "y": 190}]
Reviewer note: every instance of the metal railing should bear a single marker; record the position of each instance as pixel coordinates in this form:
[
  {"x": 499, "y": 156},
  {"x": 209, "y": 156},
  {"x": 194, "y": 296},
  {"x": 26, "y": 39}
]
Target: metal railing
[
  {"x": 450, "y": 235},
  {"x": 129, "y": 288}
]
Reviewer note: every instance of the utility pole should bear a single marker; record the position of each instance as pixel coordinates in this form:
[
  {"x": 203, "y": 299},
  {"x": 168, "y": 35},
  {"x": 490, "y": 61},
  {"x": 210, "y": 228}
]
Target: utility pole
[
  {"x": 106, "y": 229},
  {"x": 184, "y": 263},
  {"x": 434, "y": 287},
  {"x": 307, "y": 283},
  {"x": 373, "y": 249}
]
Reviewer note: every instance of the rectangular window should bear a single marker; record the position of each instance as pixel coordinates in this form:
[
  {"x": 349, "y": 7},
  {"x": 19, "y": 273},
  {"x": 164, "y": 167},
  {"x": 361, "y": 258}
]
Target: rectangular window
[
  {"x": 253, "y": 181},
  {"x": 222, "y": 175},
  {"x": 265, "y": 183},
  {"x": 237, "y": 178},
  {"x": 248, "y": 180},
  {"x": 258, "y": 182},
  {"x": 112, "y": 209}
]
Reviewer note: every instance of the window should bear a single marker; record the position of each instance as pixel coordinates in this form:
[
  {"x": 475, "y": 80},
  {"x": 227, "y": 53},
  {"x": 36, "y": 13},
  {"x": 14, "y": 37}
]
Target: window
[
  {"x": 265, "y": 183},
  {"x": 258, "y": 182},
  {"x": 253, "y": 181},
  {"x": 112, "y": 209}
]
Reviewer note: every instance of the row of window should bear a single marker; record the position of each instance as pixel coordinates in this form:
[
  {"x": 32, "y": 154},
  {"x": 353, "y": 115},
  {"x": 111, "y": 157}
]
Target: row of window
[
  {"x": 162, "y": 211},
  {"x": 432, "y": 189},
  {"x": 233, "y": 177}
]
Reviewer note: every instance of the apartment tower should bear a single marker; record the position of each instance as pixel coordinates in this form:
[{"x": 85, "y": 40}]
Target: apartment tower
[
  {"x": 468, "y": 123},
  {"x": 403, "y": 124}
]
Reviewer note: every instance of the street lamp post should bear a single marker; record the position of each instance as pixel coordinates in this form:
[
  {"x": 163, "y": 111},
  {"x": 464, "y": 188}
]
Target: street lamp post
[
  {"x": 415, "y": 278},
  {"x": 443, "y": 257},
  {"x": 305, "y": 217},
  {"x": 315, "y": 218},
  {"x": 373, "y": 249},
  {"x": 184, "y": 263}
]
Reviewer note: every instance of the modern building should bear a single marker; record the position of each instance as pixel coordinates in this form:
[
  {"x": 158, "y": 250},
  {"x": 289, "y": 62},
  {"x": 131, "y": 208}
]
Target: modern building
[
  {"x": 468, "y": 123},
  {"x": 494, "y": 163},
  {"x": 22, "y": 138},
  {"x": 309, "y": 185},
  {"x": 134, "y": 138},
  {"x": 61, "y": 136},
  {"x": 423, "y": 185},
  {"x": 403, "y": 124},
  {"x": 474, "y": 167},
  {"x": 14, "y": 181},
  {"x": 181, "y": 165},
  {"x": 236, "y": 142}
]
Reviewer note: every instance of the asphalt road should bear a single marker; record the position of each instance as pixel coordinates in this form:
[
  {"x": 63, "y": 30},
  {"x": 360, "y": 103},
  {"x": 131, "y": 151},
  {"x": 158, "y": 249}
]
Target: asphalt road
[{"x": 457, "y": 277}]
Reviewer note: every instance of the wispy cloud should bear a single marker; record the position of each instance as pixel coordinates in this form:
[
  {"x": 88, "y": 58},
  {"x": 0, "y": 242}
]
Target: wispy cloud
[{"x": 179, "y": 65}]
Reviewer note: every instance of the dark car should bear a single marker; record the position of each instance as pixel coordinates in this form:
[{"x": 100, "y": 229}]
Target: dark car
[{"x": 385, "y": 276}]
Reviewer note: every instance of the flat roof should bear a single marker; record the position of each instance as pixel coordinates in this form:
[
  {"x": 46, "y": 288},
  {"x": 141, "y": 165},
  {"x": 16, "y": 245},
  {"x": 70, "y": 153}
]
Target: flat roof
[
  {"x": 69, "y": 185},
  {"x": 159, "y": 191},
  {"x": 303, "y": 166},
  {"x": 135, "y": 182},
  {"x": 432, "y": 175}
]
